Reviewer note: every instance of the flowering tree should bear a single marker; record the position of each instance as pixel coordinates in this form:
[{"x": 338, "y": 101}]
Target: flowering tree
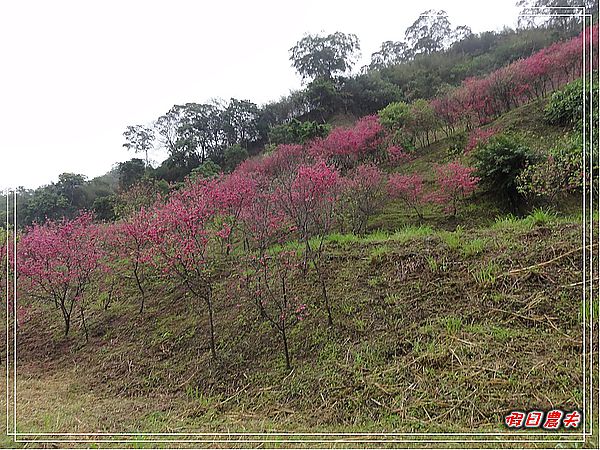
[
  {"x": 344, "y": 147},
  {"x": 409, "y": 189},
  {"x": 59, "y": 261},
  {"x": 363, "y": 195},
  {"x": 267, "y": 283},
  {"x": 455, "y": 182},
  {"x": 181, "y": 236},
  {"x": 421, "y": 122},
  {"x": 396, "y": 155},
  {"x": 131, "y": 243},
  {"x": 310, "y": 202},
  {"x": 479, "y": 100},
  {"x": 232, "y": 194}
]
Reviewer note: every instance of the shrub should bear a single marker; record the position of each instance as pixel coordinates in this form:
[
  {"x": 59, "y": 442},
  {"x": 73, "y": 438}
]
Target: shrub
[
  {"x": 296, "y": 132},
  {"x": 566, "y": 105},
  {"x": 208, "y": 169},
  {"x": 500, "y": 162},
  {"x": 559, "y": 173}
]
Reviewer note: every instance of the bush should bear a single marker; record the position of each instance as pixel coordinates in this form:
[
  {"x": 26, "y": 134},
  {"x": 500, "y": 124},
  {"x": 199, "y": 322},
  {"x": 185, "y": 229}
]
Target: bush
[
  {"x": 457, "y": 143},
  {"x": 234, "y": 156},
  {"x": 566, "y": 105},
  {"x": 296, "y": 132},
  {"x": 208, "y": 169},
  {"x": 559, "y": 173},
  {"x": 395, "y": 115},
  {"x": 500, "y": 162}
]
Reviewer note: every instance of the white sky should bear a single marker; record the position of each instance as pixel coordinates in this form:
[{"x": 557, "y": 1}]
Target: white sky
[{"x": 74, "y": 74}]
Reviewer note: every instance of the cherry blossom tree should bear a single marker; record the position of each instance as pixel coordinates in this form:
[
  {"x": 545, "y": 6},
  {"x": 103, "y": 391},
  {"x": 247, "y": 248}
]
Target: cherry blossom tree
[
  {"x": 455, "y": 183},
  {"x": 345, "y": 147},
  {"x": 130, "y": 239},
  {"x": 363, "y": 195},
  {"x": 310, "y": 202},
  {"x": 182, "y": 240},
  {"x": 59, "y": 261},
  {"x": 396, "y": 155},
  {"x": 408, "y": 189},
  {"x": 267, "y": 282}
]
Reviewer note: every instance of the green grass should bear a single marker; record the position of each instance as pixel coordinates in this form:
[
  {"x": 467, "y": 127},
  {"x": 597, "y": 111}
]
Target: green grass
[
  {"x": 539, "y": 217},
  {"x": 379, "y": 254},
  {"x": 452, "y": 239},
  {"x": 473, "y": 247},
  {"x": 486, "y": 274}
]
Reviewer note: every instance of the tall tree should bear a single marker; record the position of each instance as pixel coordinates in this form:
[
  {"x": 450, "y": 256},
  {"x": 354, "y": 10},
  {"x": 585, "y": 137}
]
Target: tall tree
[
  {"x": 545, "y": 14},
  {"x": 140, "y": 139},
  {"x": 316, "y": 56},
  {"x": 389, "y": 54},
  {"x": 432, "y": 32},
  {"x": 200, "y": 133},
  {"x": 240, "y": 122},
  {"x": 429, "y": 33}
]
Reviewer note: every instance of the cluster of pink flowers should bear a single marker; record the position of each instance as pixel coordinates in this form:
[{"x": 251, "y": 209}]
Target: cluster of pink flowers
[
  {"x": 479, "y": 136},
  {"x": 480, "y": 100}
]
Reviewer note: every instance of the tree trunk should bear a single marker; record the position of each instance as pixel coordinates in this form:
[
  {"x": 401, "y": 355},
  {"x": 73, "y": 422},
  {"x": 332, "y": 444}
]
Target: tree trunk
[
  {"x": 286, "y": 350},
  {"x": 324, "y": 293},
  {"x": 213, "y": 349},
  {"x": 141, "y": 289},
  {"x": 85, "y": 330}
]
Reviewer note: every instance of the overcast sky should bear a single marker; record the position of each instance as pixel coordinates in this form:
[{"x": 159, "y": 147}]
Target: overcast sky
[{"x": 74, "y": 74}]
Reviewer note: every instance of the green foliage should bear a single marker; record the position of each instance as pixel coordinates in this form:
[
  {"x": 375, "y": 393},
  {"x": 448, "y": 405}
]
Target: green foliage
[
  {"x": 130, "y": 172},
  {"x": 499, "y": 164},
  {"x": 54, "y": 201},
  {"x": 316, "y": 56},
  {"x": 296, "y": 132},
  {"x": 457, "y": 143},
  {"x": 233, "y": 156},
  {"x": 208, "y": 169},
  {"x": 140, "y": 139},
  {"x": 395, "y": 115},
  {"x": 368, "y": 93},
  {"x": 104, "y": 208},
  {"x": 557, "y": 174},
  {"x": 421, "y": 121},
  {"x": 324, "y": 98},
  {"x": 566, "y": 106}
]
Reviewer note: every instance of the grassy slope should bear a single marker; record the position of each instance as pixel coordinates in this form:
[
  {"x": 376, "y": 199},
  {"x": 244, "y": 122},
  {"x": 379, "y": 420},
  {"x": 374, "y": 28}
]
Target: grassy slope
[{"x": 432, "y": 334}]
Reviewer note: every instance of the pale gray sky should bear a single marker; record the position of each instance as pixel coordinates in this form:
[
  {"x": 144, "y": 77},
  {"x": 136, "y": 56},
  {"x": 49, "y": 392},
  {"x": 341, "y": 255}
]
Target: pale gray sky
[{"x": 75, "y": 73}]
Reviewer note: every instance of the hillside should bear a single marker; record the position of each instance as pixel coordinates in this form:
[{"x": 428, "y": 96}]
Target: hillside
[{"x": 440, "y": 325}]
